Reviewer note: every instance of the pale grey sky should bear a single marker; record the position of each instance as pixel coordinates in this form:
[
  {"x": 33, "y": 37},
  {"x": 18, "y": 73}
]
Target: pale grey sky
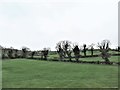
[{"x": 42, "y": 23}]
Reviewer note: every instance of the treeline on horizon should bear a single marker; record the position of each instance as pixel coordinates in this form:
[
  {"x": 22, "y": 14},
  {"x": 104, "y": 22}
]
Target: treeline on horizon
[{"x": 63, "y": 48}]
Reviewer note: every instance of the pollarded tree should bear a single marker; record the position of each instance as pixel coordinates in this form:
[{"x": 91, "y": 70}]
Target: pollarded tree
[
  {"x": 104, "y": 49},
  {"x": 64, "y": 48},
  {"x": 67, "y": 48},
  {"x": 76, "y": 51},
  {"x": 60, "y": 51}
]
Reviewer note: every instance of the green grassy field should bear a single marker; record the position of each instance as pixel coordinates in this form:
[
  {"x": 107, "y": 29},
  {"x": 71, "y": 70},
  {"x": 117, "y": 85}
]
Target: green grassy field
[
  {"x": 89, "y": 53},
  {"x": 112, "y": 58},
  {"x": 25, "y": 73}
]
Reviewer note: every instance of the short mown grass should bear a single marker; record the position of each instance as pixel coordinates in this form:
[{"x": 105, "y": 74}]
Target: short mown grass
[
  {"x": 112, "y": 59},
  {"x": 25, "y": 73}
]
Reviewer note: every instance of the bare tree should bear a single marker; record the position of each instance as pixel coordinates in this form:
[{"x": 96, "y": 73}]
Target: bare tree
[
  {"x": 104, "y": 49},
  {"x": 60, "y": 51},
  {"x": 64, "y": 48},
  {"x": 76, "y": 51},
  {"x": 67, "y": 48}
]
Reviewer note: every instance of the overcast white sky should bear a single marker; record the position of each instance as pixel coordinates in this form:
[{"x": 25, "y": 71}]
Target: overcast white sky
[{"x": 42, "y": 23}]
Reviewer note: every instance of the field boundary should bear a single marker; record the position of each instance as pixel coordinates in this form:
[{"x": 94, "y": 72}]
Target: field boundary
[{"x": 81, "y": 62}]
